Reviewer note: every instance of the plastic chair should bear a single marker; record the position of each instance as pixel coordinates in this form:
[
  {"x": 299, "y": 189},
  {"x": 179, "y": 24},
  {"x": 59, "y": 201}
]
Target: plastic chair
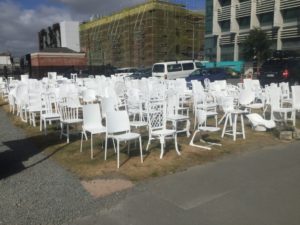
[
  {"x": 157, "y": 125},
  {"x": 118, "y": 128},
  {"x": 202, "y": 127},
  {"x": 49, "y": 111},
  {"x": 259, "y": 123},
  {"x": 69, "y": 114},
  {"x": 173, "y": 108},
  {"x": 92, "y": 123}
]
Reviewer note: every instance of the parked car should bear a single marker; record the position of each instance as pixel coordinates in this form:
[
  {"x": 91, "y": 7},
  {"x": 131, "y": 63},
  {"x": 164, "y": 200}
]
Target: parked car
[
  {"x": 175, "y": 69},
  {"x": 211, "y": 73},
  {"x": 275, "y": 70},
  {"x": 141, "y": 73}
]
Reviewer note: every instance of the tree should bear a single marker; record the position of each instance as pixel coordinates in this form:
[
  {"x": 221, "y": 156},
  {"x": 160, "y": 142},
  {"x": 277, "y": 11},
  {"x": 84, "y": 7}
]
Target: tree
[{"x": 256, "y": 46}]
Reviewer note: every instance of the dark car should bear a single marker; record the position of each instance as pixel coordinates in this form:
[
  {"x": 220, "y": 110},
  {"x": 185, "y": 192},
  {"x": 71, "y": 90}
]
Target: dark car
[
  {"x": 275, "y": 70},
  {"x": 211, "y": 73},
  {"x": 141, "y": 73}
]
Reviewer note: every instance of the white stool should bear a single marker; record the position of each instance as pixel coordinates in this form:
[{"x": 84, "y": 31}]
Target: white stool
[{"x": 233, "y": 131}]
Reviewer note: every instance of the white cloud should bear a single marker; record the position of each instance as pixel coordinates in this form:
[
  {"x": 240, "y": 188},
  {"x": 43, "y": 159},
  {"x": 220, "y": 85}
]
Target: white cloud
[
  {"x": 89, "y": 7},
  {"x": 19, "y": 27}
]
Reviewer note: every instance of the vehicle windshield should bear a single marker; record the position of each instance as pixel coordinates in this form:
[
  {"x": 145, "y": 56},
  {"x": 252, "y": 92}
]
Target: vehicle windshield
[
  {"x": 159, "y": 68},
  {"x": 174, "y": 67},
  {"x": 197, "y": 72},
  {"x": 199, "y": 65}
]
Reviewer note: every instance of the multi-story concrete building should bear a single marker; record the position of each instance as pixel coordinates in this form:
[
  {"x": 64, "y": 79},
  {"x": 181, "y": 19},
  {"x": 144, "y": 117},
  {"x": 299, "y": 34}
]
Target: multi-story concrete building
[
  {"x": 228, "y": 23},
  {"x": 63, "y": 34},
  {"x": 144, "y": 34}
]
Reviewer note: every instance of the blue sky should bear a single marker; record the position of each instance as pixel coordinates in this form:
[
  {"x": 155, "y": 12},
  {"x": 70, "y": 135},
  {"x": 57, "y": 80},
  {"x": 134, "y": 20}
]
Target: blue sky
[{"x": 21, "y": 20}]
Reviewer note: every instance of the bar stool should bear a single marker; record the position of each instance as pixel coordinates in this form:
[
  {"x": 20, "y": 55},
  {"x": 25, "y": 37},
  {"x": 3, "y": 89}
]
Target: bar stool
[{"x": 232, "y": 116}]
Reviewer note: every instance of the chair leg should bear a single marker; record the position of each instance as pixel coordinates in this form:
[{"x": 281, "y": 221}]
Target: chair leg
[
  {"x": 148, "y": 143},
  {"x": 92, "y": 149},
  {"x": 188, "y": 126},
  {"x": 225, "y": 125},
  {"x": 118, "y": 154},
  {"x": 105, "y": 150},
  {"x": 243, "y": 128},
  {"x": 176, "y": 145},
  {"x": 162, "y": 143},
  {"x": 141, "y": 150},
  {"x": 68, "y": 139},
  {"x": 198, "y": 146},
  {"x": 81, "y": 141}
]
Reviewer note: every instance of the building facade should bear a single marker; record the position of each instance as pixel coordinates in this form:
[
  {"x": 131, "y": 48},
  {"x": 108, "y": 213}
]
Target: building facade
[
  {"x": 142, "y": 35},
  {"x": 228, "y": 23},
  {"x": 63, "y": 34}
]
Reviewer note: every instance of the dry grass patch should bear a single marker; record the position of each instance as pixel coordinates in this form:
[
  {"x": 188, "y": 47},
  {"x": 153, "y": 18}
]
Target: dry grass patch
[{"x": 79, "y": 163}]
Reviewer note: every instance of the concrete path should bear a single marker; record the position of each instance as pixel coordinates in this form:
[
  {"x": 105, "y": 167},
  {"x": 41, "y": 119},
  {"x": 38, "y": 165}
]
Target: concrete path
[
  {"x": 33, "y": 188},
  {"x": 260, "y": 187}
]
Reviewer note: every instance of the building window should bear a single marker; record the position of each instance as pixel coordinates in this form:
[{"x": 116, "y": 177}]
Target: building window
[
  {"x": 291, "y": 15},
  {"x": 225, "y": 26},
  {"x": 266, "y": 19},
  {"x": 244, "y": 22},
  {"x": 225, "y": 2}
]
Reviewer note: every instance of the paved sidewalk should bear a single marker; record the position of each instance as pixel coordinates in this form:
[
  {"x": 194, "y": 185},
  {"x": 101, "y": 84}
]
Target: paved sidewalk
[
  {"x": 33, "y": 188},
  {"x": 260, "y": 187}
]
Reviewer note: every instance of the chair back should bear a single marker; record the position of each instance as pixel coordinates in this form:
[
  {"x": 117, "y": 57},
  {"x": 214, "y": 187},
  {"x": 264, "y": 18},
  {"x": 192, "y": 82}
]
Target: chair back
[
  {"x": 296, "y": 97},
  {"x": 89, "y": 96},
  {"x": 156, "y": 115},
  {"x": 91, "y": 115},
  {"x": 117, "y": 122}
]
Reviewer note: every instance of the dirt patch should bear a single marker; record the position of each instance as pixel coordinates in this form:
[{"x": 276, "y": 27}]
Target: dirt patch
[{"x": 103, "y": 187}]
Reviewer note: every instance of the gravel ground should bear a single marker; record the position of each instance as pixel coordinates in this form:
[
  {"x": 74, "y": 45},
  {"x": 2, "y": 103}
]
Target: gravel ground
[{"x": 34, "y": 189}]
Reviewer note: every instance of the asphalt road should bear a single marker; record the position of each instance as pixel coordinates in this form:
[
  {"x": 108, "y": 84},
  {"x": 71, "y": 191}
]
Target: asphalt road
[{"x": 260, "y": 187}]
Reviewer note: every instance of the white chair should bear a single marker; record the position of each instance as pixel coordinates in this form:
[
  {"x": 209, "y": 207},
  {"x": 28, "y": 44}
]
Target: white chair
[
  {"x": 34, "y": 106},
  {"x": 49, "y": 110},
  {"x": 173, "y": 115},
  {"x": 231, "y": 117},
  {"x": 296, "y": 97},
  {"x": 69, "y": 114},
  {"x": 157, "y": 125},
  {"x": 203, "y": 127},
  {"x": 89, "y": 96},
  {"x": 118, "y": 128},
  {"x": 278, "y": 112},
  {"x": 92, "y": 123},
  {"x": 260, "y": 124}
]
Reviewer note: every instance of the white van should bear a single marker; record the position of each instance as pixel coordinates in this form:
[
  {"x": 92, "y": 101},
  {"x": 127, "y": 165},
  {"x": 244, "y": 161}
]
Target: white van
[{"x": 175, "y": 69}]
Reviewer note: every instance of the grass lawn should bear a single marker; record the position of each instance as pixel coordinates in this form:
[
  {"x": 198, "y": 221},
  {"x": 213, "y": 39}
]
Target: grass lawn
[{"x": 80, "y": 164}]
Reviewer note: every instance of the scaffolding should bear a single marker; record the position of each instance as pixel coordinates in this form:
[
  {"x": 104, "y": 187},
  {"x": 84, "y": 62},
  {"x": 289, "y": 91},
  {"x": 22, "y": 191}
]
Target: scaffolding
[{"x": 142, "y": 35}]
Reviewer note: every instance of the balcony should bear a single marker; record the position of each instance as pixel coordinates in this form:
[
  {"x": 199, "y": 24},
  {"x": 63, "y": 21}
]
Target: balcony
[
  {"x": 224, "y": 13},
  {"x": 243, "y": 9},
  {"x": 290, "y": 32},
  {"x": 265, "y": 6},
  {"x": 227, "y": 39},
  {"x": 288, "y": 4}
]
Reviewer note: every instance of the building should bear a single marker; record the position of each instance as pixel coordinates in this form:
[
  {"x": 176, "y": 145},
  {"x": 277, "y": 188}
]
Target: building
[
  {"x": 144, "y": 34},
  {"x": 61, "y": 60},
  {"x": 63, "y": 34},
  {"x": 6, "y": 64},
  {"x": 228, "y": 23}
]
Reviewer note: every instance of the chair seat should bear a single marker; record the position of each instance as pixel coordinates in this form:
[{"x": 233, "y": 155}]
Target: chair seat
[
  {"x": 255, "y": 105},
  {"x": 70, "y": 121},
  {"x": 126, "y": 136},
  {"x": 163, "y": 132},
  {"x": 50, "y": 116},
  {"x": 138, "y": 123},
  {"x": 177, "y": 117},
  {"x": 209, "y": 129},
  {"x": 94, "y": 130},
  {"x": 283, "y": 110}
]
